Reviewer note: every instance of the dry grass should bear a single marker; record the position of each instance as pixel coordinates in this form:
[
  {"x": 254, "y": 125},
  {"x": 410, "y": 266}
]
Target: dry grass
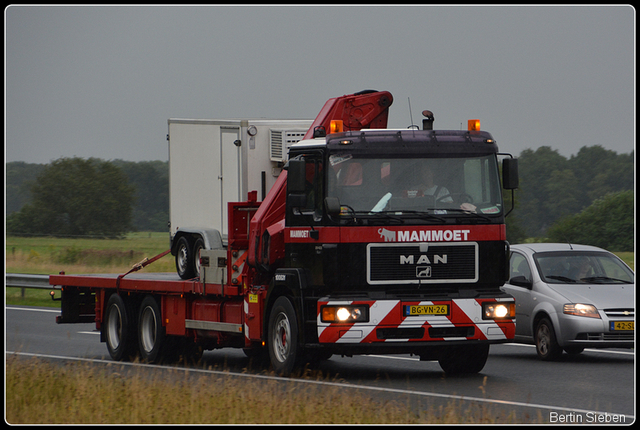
[{"x": 38, "y": 392}]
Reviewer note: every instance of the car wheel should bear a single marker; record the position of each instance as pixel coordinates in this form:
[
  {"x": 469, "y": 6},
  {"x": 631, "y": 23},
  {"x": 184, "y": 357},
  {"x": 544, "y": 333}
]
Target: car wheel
[{"x": 546, "y": 344}]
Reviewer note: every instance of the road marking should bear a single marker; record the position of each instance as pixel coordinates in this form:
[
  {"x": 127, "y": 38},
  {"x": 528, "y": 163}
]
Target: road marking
[
  {"x": 34, "y": 309},
  {"x": 603, "y": 350},
  {"x": 324, "y": 383},
  {"x": 394, "y": 357}
]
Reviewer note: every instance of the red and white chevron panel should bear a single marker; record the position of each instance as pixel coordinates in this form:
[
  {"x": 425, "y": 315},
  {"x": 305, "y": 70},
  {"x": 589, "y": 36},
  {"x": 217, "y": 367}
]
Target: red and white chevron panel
[{"x": 390, "y": 314}]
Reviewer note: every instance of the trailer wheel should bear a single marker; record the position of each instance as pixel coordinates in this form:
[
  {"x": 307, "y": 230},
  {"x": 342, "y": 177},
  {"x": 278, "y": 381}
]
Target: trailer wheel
[
  {"x": 283, "y": 345},
  {"x": 184, "y": 260},
  {"x": 119, "y": 329},
  {"x": 464, "y": 359},
  {"x": 197, "y": 247},
  {"x": 151, "y": 333}
]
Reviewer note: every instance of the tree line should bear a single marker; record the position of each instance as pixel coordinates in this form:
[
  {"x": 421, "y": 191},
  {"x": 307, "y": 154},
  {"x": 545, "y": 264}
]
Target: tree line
[
  {"x": 87, "y": 197},
  {"x": 556, "y": 195},
  {"x": 586, "y": 198}
]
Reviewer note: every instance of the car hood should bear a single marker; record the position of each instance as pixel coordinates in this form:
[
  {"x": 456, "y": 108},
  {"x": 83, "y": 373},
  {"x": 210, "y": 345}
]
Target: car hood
[{"x": 602, "y": 296}]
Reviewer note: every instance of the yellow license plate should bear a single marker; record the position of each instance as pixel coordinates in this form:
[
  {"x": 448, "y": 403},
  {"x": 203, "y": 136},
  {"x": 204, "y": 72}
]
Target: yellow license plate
[
  {"x": 411, "y": 310},
  {"x": 622, "y": 326}
]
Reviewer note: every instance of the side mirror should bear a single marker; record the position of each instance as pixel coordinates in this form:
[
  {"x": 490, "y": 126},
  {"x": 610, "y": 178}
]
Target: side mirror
[
  {"x": 296, "y": 176},
  {"x": 332, "y": 204},
  {"x": 521, "y": 281},
  {"x": 510, "y": 179},
  {"x": 296, "y": 183}
]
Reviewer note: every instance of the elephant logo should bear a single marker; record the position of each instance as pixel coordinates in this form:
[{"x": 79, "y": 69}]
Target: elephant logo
[{"x": 387, "y": 235}]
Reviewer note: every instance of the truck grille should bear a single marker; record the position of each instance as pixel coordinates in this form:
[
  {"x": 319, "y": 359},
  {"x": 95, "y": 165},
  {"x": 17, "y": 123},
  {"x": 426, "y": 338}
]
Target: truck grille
[{"x": 422, "y": 263}]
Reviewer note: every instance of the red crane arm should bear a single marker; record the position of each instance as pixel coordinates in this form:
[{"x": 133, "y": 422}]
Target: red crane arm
[{"x": 366, "y": 109}]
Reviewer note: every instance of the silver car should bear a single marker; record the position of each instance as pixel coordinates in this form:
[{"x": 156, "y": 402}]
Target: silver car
[{"x": 571, "y": 297}]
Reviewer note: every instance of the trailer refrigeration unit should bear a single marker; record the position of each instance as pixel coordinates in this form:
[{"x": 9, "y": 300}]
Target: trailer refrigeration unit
[{"x": 371, "y": 240}]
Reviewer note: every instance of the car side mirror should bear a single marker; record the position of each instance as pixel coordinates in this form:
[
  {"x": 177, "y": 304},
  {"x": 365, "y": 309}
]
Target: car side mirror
[{"x": 521, "y": 281}]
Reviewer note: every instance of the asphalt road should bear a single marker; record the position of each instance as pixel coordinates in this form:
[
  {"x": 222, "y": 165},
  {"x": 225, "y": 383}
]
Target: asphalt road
[{"x": 592, "y": 386}]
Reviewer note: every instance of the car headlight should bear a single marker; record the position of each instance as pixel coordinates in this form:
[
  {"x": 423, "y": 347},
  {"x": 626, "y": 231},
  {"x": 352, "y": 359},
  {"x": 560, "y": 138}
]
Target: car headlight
[
  {"x": 344, "y": 313},
  {"x": 581, "y": 310},
  {"x": 498, "y": 311}
]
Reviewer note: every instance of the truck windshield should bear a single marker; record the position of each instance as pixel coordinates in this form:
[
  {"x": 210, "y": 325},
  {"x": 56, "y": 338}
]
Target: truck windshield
[{"x": 409, "y": 185}]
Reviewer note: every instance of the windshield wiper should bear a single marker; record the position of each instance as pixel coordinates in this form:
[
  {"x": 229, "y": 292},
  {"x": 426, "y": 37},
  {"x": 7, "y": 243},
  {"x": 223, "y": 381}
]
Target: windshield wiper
[
  {"x": 561, "y": 278},
  {"x": 415, "y": 214},
  {"x": 604, "y": 278},
  {"x": 467, "y": 212},
  {"x": 390, "y": 215}
]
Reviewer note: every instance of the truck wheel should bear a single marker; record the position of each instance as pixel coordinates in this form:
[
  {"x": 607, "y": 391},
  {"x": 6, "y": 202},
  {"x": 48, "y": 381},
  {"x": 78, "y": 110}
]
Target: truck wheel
[
  {"x": 464, "y": 359},
  {"x": 119, "y": 329},
  {"x": 184, "y": 260},
  {"x": 282, "y": 338},
  {"x": 151, "y": 333},
  {"x": 199, "y": 246},
  {"x": 546, "y": 344}
]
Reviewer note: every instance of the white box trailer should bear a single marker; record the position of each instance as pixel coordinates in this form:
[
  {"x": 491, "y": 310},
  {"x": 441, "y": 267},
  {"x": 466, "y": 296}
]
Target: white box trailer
[{"x": 216, "y": 161}]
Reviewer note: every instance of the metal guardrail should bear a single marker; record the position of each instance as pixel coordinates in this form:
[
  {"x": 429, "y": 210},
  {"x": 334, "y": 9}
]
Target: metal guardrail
[{"x": 20, "y": 280}]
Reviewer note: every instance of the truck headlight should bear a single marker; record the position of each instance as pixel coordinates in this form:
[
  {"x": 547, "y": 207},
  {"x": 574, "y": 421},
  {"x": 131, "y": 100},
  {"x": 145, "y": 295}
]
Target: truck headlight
[
  {"x": 345, "y": 313},
  {"x": 498, "y": 311}
]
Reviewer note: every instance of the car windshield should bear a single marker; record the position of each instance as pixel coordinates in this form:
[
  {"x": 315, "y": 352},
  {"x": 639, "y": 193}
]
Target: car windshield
[
  {"x": 408, "y": 185},
  {"x": 571, "y": 267}
]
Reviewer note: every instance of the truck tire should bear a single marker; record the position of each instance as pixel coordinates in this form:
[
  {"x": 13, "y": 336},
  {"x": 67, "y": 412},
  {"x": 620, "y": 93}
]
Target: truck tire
[
  {"x": 282, "y": 337},
  {"x": 151, "y": 333},
  {"x": 546, "y": 344},
  {"x": 458, "y": 360},
  {"x": 184, "y": 259},
  {"x": 119, "y": 329}
]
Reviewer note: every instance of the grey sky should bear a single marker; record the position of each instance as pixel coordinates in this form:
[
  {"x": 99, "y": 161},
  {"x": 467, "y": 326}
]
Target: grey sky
[{"x": 102, "y": 81}]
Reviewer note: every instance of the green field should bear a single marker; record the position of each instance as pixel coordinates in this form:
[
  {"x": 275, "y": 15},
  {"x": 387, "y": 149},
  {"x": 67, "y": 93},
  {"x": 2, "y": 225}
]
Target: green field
[{"x": 47, "y": 256}]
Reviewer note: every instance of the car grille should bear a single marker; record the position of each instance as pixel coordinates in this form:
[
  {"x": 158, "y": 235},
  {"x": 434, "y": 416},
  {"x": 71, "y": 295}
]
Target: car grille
[
  {"x": 610, "y": 337},
  {"x": 620, "y": 313},
  {"x": 422, "y": 263}
]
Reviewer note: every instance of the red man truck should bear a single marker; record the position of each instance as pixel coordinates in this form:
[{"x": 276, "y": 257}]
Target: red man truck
[{"x": 370, "y": 241}]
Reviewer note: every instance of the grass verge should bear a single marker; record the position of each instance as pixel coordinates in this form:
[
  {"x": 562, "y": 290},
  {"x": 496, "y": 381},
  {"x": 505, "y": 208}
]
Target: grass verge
[{"x": 38, "y": 392}]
